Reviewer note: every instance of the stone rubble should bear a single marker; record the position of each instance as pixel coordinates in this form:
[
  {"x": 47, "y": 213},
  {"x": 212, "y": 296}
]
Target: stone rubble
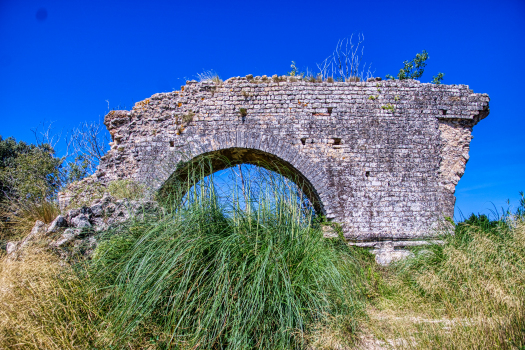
[{"x": 75, "y": 231}]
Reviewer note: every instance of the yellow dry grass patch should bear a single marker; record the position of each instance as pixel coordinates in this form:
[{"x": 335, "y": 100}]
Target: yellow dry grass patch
[
  {"x": 474, "y": 300},
  {"x": 42, "y": 305},
  {"x": 23, "y": 215}
]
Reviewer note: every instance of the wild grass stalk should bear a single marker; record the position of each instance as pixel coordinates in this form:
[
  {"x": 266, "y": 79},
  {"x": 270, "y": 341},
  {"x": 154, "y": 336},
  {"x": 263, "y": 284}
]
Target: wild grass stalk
[{"x": 225, "y": 275}]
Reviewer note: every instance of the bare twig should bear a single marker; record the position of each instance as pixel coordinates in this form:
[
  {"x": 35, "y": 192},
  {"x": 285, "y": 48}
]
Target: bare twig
[
  {"x": 89, "y": 141},
  {"x": 345, "y": 63}
]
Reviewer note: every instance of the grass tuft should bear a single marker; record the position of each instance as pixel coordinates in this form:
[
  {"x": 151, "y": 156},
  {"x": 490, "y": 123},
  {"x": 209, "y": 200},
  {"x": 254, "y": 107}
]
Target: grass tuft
[
  {"x": 19, "y": 217},
  {"x": 212, "y": 275}
]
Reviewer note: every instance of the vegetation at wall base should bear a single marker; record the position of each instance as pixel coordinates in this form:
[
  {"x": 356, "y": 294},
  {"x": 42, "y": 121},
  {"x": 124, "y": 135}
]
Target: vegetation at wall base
[
  {"x": 255, "y": 271},
  {"x": 468, "y": 293},
  {"x": 210, "y": 275}
]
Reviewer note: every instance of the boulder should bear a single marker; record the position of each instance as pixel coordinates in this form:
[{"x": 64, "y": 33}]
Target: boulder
[
  {"x": 68, "y": 236},
  {"x": 11, "y": 247},
  {"x": 59, "y": 222},
  {"x": 386, "y": 254},
  {"x": 81, "y": 221},
  {"x": 37, "y": 231}
]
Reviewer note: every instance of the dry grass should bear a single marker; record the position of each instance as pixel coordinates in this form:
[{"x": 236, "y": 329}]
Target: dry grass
[
  {"x": 209, "y": 76},
  {"x": 338, "y": 334},
  {"x": 44, "y": 305},
  {"x": 468, "y": 294},
  {"x": 22, "y": 215}
]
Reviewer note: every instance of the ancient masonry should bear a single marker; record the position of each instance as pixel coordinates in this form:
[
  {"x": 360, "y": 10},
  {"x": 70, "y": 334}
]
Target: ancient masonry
[{"x": 382, "y": 158}]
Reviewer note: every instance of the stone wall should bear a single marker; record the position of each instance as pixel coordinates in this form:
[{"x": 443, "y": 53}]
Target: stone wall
[{"x": 381, "y": 157}]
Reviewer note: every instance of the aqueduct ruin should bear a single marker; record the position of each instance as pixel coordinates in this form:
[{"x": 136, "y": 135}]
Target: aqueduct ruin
[{"x": 380, "y": 157}]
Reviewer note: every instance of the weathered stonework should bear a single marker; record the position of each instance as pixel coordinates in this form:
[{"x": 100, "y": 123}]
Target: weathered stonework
[{"x": 382, "y": 158}]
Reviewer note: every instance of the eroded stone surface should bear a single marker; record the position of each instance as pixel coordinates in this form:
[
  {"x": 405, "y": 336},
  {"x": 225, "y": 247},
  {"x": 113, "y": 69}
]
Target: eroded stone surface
[
  {"x": 382, "y": 158},
  {"x": 59, "y": 222},
  {"x": 386, "y": 253}
]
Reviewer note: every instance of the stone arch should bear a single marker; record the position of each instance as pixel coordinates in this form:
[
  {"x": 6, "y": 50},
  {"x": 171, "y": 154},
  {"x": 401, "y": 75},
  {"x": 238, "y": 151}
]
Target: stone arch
[
  {"x": 380, "y": 173},
  {"x": 244, "y": 147},
  {"x": 228, "y": 157}
]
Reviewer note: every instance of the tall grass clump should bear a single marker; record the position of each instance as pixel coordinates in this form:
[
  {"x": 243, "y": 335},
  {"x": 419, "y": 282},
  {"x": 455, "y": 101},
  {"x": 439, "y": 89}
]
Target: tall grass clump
[
  {"x": 19, "y": 216},
  {"x": 472, "y": 288},
  {"x": 250, "y": 271},
  {"x": 45, "y": 305}
]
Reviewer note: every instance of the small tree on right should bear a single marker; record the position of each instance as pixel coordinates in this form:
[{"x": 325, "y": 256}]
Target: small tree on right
[{"x": 414, "y": 69}]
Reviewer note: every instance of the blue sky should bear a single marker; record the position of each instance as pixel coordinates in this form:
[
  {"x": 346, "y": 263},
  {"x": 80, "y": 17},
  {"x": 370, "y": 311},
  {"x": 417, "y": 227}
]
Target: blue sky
[{"x": 60, "y": 61}]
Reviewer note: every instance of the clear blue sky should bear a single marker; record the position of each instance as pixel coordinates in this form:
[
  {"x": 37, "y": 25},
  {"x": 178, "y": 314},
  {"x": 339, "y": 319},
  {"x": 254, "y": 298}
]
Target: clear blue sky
[{"x": 61, "y": 60}]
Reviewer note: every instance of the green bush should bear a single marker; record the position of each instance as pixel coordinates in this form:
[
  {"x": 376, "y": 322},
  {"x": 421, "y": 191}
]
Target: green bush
[
  {"x": 28, "y": 172},
  {"x": 211, "y": 275},
  {"x": 129, "y": 189}
]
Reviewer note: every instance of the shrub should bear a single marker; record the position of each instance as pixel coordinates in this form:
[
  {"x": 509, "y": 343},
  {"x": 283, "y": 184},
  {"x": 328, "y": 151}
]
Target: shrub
[
  {"x": 213, "y": 275},
  {"x": 29, "y": 172},
  {"x": 412, "y": 69},
  {"x": 129, "y": 189}
]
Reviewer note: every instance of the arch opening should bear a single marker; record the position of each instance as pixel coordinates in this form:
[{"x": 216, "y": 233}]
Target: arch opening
[{"x": 206, "y": 164}]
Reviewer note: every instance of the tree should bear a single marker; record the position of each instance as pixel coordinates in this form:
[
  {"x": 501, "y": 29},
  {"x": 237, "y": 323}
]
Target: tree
[
  {"x": 412, "y": 69},
  {"x": 29, "y": 172},
  {"x": 89, "y": 143}
]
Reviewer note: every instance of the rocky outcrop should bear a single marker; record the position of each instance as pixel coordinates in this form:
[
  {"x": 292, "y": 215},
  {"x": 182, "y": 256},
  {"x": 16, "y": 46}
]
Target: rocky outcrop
[{"x": 75, "y": 232}]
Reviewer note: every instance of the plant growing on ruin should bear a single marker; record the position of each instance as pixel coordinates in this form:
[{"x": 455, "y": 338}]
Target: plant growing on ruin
[
  {"x": 412, "y": 69},
  {"x": 294, "y": 71},
  {"x": 246, "y": 94},
  {"x": 278, "y": 79},
  {"x": 346, "y": 62},
  {"x": 188, "y": 117},
  {"x": 209, "y": 76},
  {"x": 438, "y": 79},
  {"x": 389, "y": 107},
  {"x": 243, "y": 112},
  {"x": 126, "y": 188}
]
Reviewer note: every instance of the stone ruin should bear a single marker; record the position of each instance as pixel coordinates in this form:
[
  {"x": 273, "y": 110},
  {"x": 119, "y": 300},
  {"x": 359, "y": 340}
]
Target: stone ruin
[{"x": 381, "y": 158}]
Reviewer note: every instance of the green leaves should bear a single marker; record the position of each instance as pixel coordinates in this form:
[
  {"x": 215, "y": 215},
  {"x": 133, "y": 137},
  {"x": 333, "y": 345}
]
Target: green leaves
[
  {"x": 29, "y": 172},
  {"x": 415, "y": 68},
  {"x": 437, "y": 79}
]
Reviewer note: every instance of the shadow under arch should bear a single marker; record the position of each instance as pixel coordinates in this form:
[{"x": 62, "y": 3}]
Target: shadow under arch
[{"x": 211, "y": 162}]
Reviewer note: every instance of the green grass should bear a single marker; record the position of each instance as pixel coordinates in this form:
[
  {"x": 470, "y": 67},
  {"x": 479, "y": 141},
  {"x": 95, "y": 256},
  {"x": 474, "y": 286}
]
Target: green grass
[
  {"x": 248, "y": 268},
  {"x": 212, "y": 276}
]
